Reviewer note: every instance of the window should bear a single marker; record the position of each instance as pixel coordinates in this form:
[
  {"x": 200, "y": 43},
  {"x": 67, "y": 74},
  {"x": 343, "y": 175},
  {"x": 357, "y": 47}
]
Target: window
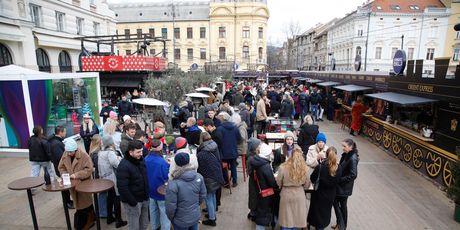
[
  {"x": 222, "y": 53},
  {"x": 203, "y": 53},
  {"x": 410, "y": 54},
  {"x": 152, "y": 52},
  {"x": 139, "y": 33},
  {"x": 177, "y": 33},
  {"x": 456, "y": 54},
  {"x": 457, "y": 37},
  {"x": 60, "y": 19},
  {"x": 189, "y": 54},
  {"x": 80, "y": 26},
  {"x": 222, "y": 32},
  {"x": 189, "y": 32},
  {"x": 358, "y": 51},
  {"x": 96, "y": 28},
  {"x": 395, "y": 7},
  {"x": 414, "y": 7},
  {"x": 393, "y": 52},
  {"x": 202, "y": 32},
  {"x": 360, "y": 32},
  {"x": 128, "y": 52},
  {"x": 35, "y": 12},
  {"x": 5, "y": 56},
  {"x": 261, "y": 32},
  {"x": 430, "y": 54},
  {"x": 164, "y": 33},
  {"x": 379, "y": 8},
  {"x": 152, "y": 32},
  {"x": 378, "y": 52},
  {"x": 64, "y": 62},
  {"x": 43, "y": 61},
  {"x": 246, "y": 32},
  {"x": 177, "y": 54},
  {"x": 127, "y": 35},
  {"x": 261, "y": 54},
  {"x": 245, "y": 52}
]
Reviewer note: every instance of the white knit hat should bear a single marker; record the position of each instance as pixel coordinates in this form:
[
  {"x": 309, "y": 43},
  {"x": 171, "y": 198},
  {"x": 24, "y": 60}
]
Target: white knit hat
[{"x": 265, "y": 151}]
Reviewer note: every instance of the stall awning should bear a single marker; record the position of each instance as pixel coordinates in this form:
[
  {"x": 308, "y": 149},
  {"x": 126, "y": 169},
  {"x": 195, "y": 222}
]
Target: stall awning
[
  {"x": 313, "y": 81},
  {"x": 352, "y": 88},
  {"x": 328, "y": 83},
  {"x": 121, "y": 83},
  {"x": 401, "y": 99}
]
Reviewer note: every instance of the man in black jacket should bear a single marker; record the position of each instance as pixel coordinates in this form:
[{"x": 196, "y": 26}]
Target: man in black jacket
[
  {"x": 133, "y": 186},
  {"x": 57, "y": 149},
  {"x": 124, "y": 107},
  {"x": 105, "y": 111}
]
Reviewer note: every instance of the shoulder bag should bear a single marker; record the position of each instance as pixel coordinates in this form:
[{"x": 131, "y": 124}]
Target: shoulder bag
[{"x": 266, "y": 192}]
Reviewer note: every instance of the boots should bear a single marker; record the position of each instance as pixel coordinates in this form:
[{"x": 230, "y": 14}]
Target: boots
[{"x": 91, "y": 218}]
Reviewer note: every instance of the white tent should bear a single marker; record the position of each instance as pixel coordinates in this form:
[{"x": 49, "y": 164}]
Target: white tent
[{"x": 149, "y": 101}]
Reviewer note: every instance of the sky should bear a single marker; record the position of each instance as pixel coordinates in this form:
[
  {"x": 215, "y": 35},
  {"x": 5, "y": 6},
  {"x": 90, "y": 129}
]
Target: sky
[{"x": 307, "y": 13}]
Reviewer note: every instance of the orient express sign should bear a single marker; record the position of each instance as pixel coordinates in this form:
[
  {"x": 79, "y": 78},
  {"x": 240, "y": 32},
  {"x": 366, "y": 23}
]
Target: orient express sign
[
  {"x": 420, "y": 88},
  {"x": 399, "y": 62}
]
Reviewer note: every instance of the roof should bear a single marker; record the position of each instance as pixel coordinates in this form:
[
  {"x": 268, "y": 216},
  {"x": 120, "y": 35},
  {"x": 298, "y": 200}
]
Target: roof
[
  {"x": 404, "y": 6},
  {"x": 328, "y": 83},
  {"x": 352, "y": 88},
  {"x": 18, "y": 70},
  {"x": 401, "y": 99}
]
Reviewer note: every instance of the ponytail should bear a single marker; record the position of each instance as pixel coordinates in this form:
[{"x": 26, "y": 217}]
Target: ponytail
[{"x": 352, "y": 143}]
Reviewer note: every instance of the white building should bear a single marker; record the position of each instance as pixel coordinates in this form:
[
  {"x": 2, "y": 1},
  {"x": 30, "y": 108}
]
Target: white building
[
  {"x": 381, "y": 24},
  {"x": 40, "y": 34}
]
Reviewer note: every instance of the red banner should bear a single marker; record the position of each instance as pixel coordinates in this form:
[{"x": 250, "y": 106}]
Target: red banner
[{"x": 122, "y": 63}]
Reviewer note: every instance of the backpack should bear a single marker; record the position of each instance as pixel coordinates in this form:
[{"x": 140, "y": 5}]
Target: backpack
[
  {"x": 94, "y": 158},
  {"x": 303, "y": 99}
]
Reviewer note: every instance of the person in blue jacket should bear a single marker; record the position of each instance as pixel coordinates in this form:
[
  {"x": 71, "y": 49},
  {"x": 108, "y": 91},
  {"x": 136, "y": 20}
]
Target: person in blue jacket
[
  {"x": 157, "y": 175},
  {"x": 231, "y": 137}
]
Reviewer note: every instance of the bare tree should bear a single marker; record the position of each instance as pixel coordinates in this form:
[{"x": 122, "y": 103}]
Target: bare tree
[{"x": 291, "y": 30}]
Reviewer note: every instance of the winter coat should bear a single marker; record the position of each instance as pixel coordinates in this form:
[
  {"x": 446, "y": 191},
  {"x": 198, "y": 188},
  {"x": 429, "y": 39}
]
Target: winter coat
[
  {"x": 230, "y": 138},
  {"x": 183, "y": 114},
  {"x": 349, "y": 165},
  {"x": 192, "y": 135},
  {"x": 280, "y": 155},
  {"x": 184, "y": 195},
  {"x": 243, "y": 144},
  {"x": 307, "y": 137},
  {"x": 245, "y": 116},
  {"x": 172, "y": 164},
  {"x": 82, "y": 167},
  {"x": 265, "y": 206},
  {"x": 39, "y": 149},
  {"x": 296, "y": 104},
  {"x": 286, "y": 109},
  {"x": 125, "y": 140},
  {"x": 107, "y": 110},
  {"x": 107, "y": 163},
  {"x": 209, "y": 165},
  {"x": 356, "y": 119},
  {"x": 157, "y": 174},
  {"x": 117, "y": 141},
  {"x": 315, "y": 98},
  {"x": 293, "y": 202},
  {"x": 319, "y": 214},
  {"x": 57, "y": 149},
  {"x": 215, "y": 136},
  {"x": 312, "y": 155},
  {"x": 238, "y": 98},
  {"x": 261, "y": 112},
  {"x": 132, "y": 180},
  {"x": 124, "y": 108},
  {"x": 275, "y": 107}
]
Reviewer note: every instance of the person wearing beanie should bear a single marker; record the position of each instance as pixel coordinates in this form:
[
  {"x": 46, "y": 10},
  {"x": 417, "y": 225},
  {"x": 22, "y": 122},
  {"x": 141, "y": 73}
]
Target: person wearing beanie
[
  {"x": 106, "y": 112},
  {"x": 253, "y": 146},
  {"x": 182, "y": 147},
  {"x": 285, "y": 151},
  {"x": 79, "y": 166},
  {"x": 317, "y": 152},
  {"x": 157, "y": 175},
  {"x": 88, "y": 129},
  {"x": 133, "y": 186},
  {"x": 183, "y": 205},
  {"x": 107, "y": 163},
  {"x": 261, "y": 177},
  {"x": 307, "y": 134}
]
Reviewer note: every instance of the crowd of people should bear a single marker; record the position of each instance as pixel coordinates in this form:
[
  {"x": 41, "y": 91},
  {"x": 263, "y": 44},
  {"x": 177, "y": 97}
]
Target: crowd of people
[{"x": 294, "y": 186}]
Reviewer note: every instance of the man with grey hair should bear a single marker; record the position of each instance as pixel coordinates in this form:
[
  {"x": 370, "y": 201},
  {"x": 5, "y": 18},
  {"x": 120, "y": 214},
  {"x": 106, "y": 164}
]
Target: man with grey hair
[
  {"x": 231, "y": 137},
  {"x": 190, "y": 131}
]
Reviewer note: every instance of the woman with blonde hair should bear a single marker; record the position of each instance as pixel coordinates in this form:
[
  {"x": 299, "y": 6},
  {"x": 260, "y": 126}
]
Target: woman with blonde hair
[
  {"x": 87, "y": 130},
  {"x": 96, "y": 145},
  {"x": 292, "y": 179},
  {"x": 326, "y": 177}
]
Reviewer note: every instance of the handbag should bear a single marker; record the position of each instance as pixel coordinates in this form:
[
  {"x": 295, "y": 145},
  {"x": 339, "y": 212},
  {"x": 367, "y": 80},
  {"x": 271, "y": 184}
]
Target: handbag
[
  {"x": 266, "y": 192},
  {"x": 316, "y": 184},
  {"x": 211, "y": 184}
]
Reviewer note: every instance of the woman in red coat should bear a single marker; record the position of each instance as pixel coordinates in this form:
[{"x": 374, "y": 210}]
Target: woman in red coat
[{"x": 357, "y": 109}]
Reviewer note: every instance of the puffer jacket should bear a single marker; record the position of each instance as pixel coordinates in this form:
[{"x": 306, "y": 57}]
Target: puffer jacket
[
  {"x": 209, "y": 165},
  {"x": 132, "y": 180},
  {"x": 39, "y": 149},
  {"x": 349, "y": 165},
  {"x": 184, "y": 195}
]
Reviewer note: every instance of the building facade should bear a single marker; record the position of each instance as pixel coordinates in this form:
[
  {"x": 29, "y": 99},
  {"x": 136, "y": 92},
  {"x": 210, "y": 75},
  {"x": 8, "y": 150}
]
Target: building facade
[
  {"x": 41, "y": 34},
  {"x": 452, "y": 44},
  {"x": 202, "y": 32}
]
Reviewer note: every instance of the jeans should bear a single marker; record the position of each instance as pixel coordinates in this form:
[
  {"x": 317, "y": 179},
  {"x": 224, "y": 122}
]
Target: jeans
[
  {"x": 260, "y": 227},
  {"x": 37, "y": 165},
  {"x": 158, "y": 215},
  {"x": 193, "y": 227},
  {"x": 341, "y": 212},
  {"x": 303, "y": 112},
  {"x": 102, "y": 199},
  {"x": 320, "y": 113},
  {"x": 137, "y": 216},
  {"x": 211, "y": 205},
  {"x": 314, "y": 112},
  {"x": 232, "y": 165}
]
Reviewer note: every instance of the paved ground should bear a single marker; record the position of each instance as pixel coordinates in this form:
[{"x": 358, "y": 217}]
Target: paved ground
[{"x": 387, "y": 195}]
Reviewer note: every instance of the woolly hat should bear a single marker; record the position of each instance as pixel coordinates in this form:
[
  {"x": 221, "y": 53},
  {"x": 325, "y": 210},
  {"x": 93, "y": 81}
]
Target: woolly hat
[
  {"x": 182, "y": 159},
  {"x": 321, "y": 137},
  {"x": 70, "y": 145},
  {"x": 265, "y": 151},
  {"x": 107, "y": 140},
  {"x": 288, "y": 134},
  {"x": 241, "y": 106},
  {"x": 86, "y": 115},
  {"x": 181, "y": 143},
  {"x": 113, "y": 115},
  {"x": 253, "y": 143},
  {"x": 157, "y": 145},
  {"x": 169, "y": 140},
  {"x": 126, "y": 117}
]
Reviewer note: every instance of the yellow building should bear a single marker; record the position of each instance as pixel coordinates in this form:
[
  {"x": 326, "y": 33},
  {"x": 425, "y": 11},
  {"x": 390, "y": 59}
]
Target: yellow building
[
  {"x": 452, "y": 45},
  {"x": 216, "y": 32}
]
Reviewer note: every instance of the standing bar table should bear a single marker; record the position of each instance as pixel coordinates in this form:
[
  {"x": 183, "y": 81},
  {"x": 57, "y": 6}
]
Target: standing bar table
[
  {"x": 95, "y": 186},
  {"x": 60, "y": 187},
  {"x": 28, "y": 183}
]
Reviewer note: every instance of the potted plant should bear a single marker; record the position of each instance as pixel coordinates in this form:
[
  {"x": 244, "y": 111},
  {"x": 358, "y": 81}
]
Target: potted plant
[{"x": 454, "y": 189}]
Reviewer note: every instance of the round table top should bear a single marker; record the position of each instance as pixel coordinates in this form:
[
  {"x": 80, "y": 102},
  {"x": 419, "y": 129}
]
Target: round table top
[
  {"x": 162, "y": 189},
  {"x": 59, "y": 187},
  {"x": 26, "y": 183},
  {"x": 94, "y": 186}
]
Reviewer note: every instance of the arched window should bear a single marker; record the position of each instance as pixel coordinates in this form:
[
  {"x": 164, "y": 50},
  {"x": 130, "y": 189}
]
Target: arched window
[
  {"x": 5, "y": 56},
  {"x": 358, "y": 51},
  {"x": 65, "y": 65},
  {"x": 43, "y": 61}
]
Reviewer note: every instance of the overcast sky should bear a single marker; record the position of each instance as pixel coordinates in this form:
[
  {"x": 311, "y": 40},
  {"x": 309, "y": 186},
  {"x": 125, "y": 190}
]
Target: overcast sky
[{"x": 306, "y": 12}]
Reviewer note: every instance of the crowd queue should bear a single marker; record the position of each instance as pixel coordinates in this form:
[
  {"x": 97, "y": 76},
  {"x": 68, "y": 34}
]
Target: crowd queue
[{"x": 294, "y": 186}]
